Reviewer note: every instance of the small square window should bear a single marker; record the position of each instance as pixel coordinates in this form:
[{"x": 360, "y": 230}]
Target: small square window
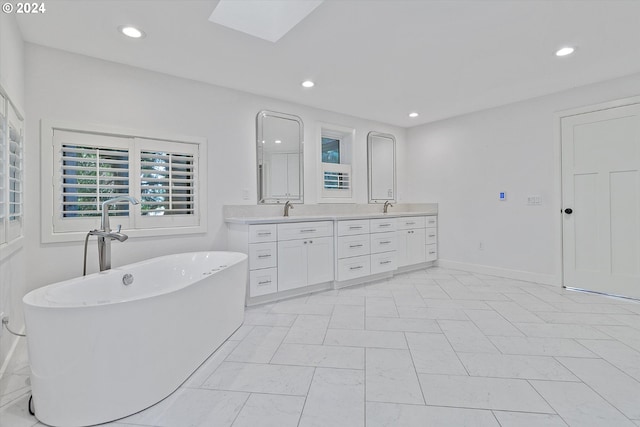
[{"x": 330, "y": 150}]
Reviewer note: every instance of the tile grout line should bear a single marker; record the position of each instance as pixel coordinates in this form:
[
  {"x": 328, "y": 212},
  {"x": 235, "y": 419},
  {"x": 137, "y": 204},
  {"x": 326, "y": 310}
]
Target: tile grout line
[
  {"x": 413, "y": 363},
  {"x": 596, "y": 391},
  {"x": 306, "y": 396}
]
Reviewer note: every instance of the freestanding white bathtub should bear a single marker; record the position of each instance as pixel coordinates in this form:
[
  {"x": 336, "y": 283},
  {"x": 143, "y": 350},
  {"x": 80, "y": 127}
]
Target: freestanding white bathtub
[{"x": 101, "y": 350}]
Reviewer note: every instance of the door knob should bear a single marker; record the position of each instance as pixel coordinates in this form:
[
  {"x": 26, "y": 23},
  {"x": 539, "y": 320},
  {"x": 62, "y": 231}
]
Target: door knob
[{"x": 568, "y": 211}]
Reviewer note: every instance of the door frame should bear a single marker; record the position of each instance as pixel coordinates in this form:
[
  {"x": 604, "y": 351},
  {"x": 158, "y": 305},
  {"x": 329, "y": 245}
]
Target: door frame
[{"x": 558, "y": 116}]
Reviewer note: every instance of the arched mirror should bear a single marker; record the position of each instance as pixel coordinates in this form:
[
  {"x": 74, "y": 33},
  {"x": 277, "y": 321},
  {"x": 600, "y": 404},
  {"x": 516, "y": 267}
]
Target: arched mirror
[
  {"x": 381, "y": 149},
  {"x": 279, "y": 146}
]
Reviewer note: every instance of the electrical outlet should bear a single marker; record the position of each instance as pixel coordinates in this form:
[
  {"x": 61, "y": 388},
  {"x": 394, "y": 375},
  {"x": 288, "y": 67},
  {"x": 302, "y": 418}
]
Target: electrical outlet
[{"x": 481, "y": 246}]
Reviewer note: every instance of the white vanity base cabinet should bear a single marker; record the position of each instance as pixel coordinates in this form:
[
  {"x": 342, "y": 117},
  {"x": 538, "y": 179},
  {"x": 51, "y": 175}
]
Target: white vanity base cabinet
[
  {"x": 285, "y": 259},
  {"x": 288, "y": 259}
]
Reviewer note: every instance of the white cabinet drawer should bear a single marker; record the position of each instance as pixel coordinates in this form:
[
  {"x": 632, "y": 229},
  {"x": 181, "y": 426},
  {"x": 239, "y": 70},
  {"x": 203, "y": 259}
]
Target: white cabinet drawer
[
  {"x": 262, "y": 233},
  {"x": 382, "y": 225},
  {"x": 408, "y": 222},
  {"x": 383, "y": 242},
  {"x": 348, "y": 228},
  {"x": 432, "y": 252},
  {"x": 431, "y": 236},
  {"x": 432, "y": 221},
  {"x": 383, "y": 262},
  {"x": 262, "y": 282},
  {"x": 352, "y": 268},
  {"x": 262, "y": 255},
  {"x": 303, "y": 230},
  {"x": 350, "y": 246}
]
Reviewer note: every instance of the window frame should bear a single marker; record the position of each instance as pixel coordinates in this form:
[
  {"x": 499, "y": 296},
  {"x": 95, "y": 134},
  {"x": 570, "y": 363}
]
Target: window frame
[
  {"x": 346, "y": 136},
  {"x": 135, "y": 225}
]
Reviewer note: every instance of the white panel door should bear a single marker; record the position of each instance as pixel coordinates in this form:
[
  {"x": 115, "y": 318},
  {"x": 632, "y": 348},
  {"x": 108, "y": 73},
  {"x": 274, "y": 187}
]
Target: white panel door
[
  {"x": 292, "y": 264},
  {"x": 319, "y": 260},
  {"x": 601, "y": 200}
]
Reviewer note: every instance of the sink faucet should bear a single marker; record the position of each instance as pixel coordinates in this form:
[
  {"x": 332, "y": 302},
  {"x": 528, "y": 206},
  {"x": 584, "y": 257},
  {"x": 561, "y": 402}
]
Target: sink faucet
[
  {"x": 386, "y": 206},
  {"x": 106, "y": 235},
  {"x": 287, "y": 206}
]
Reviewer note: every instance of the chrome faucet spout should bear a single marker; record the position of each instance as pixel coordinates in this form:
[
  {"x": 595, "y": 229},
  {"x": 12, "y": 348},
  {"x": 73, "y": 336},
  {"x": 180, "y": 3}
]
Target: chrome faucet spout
[
  {"x": 106, "y": 235},
  {"x": 104, "y": 223},
  {"x": 386, "y": 206},
  {"x": 287, "y": 206}
]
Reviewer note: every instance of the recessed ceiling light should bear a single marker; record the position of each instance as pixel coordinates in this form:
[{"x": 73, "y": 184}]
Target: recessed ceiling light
[
  {"x": 567, "y": 50},
  {"x": 308, "y": 83},
  {"x": 132, "y": 32},
  {"x": 277, "y": 141},
  {"x": 413, "y": 115}
]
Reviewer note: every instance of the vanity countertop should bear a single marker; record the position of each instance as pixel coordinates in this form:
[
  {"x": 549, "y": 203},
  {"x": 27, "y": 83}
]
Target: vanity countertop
[{"x": 325, "y": 217}]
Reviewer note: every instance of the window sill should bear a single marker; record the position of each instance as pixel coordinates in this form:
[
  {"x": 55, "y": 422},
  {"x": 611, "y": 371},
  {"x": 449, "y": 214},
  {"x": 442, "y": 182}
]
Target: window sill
[{"x": 79, "y": 236}]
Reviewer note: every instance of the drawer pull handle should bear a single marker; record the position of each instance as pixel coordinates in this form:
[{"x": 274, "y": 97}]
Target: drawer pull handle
[
  {"x": 386, "y": 242},
  {"x": 356, "y": 268},
  {"x": 265, "y": 282},
  {"x": 356, "y": 246},
  {"x": 385, "y": 225},
  {"x": 410, "y": 223},
  {"x": 308, "y": 230},
  {"x": 385, "y": 262},
  {"x": 264, "y": 233},
  {"x": 355, "y": 227},
  {"x": 432, "y": 235},
  {"x": 432, "y": 252},
  {"x": 264, "y": 256}
]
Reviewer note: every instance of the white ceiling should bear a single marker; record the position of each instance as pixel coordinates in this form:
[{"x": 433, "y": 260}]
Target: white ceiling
[{"x": 375, "y": 59}]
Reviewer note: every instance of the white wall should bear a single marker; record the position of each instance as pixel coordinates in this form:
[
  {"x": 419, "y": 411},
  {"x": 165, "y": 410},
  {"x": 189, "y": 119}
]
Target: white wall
[
  {"x": 12, "y": 259},
  {"x": 76, "y": 88},
  {"x": 464, "y": 162}
]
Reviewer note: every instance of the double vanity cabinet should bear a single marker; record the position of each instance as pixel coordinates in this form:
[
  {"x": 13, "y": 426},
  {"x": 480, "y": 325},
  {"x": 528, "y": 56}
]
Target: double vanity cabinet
[{"x": 292, "y": 256}]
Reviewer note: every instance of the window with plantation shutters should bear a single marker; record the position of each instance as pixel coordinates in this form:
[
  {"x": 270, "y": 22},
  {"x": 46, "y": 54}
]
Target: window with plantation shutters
[
  {"x": 166, "y": 183},
  {"x": 11, "y": 170},
  {"x": 3, "y": 168},
  {"x": 91, "y": 175},
  {"x": 90, "y": 168},
  {"x": 336, "y": 158}
]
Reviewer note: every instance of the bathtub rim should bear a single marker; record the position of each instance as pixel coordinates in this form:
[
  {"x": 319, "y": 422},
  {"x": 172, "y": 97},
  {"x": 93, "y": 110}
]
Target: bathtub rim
[{"x": 37, "y": 298}]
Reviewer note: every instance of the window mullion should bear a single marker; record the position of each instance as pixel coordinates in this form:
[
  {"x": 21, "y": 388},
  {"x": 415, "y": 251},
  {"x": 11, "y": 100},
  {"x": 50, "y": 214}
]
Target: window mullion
[
  {"x": 98, "y": 205},
  {"x": 135, "y": 184},
  {"x": 170, "y": 171}
]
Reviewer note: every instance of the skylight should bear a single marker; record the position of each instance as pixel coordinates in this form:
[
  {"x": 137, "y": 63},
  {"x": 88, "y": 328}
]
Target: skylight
[{"x": 268, "y": 20}]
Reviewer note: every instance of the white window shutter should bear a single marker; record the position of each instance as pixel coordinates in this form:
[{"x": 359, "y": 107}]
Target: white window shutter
[{"x": 336, "y": 180}]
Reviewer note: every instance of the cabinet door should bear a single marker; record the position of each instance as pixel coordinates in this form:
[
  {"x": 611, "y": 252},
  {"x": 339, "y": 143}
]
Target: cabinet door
[
  {"x": 320, "y": 260},
  {"x": 292, "y": 264},
  {"x": 416, "y": 252},
  {"x": 402, "y": 255}
]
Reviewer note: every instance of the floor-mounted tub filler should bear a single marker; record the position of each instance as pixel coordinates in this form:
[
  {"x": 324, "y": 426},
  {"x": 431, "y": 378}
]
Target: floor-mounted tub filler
[{"x": 108, "y": 345}]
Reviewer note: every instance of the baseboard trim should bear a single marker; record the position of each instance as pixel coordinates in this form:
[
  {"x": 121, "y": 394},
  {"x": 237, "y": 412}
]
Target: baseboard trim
[{"x": 545, "y": 279}]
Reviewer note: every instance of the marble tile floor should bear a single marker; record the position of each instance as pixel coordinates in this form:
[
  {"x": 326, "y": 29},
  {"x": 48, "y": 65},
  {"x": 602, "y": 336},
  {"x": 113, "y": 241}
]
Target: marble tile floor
[{"x": 433, "y": 347}]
